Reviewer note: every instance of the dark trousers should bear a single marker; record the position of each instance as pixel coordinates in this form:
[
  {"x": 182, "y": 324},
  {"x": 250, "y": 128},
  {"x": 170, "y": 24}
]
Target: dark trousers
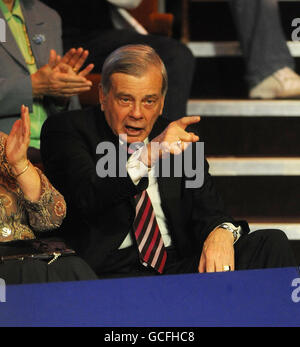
[
  {"x": 29, "y": 270},
  {"x": 261, "y": 37},
  {"x": 178, "y": 59},
  {"x": 257, "y": 250}
]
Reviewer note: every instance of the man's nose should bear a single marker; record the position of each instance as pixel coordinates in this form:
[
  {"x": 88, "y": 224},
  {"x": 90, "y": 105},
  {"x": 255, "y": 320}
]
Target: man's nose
[{"x": 136, "y": 111}]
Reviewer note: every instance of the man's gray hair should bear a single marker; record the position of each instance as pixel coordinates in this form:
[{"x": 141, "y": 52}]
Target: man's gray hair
[{"x": 132, "y": 60}]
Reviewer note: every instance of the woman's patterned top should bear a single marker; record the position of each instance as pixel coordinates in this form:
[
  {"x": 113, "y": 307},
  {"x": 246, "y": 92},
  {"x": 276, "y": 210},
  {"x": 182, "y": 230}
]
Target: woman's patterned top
[{"x": 19, "y": 217}]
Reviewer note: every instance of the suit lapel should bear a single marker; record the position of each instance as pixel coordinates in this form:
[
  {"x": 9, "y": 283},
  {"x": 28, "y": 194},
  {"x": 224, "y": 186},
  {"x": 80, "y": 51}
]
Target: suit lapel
[
  {"x": 11, "y": 46},
  {"x": 36, "y": 26},
  {"x": 170, "y": 194},
  {"x": 170, "y": 188}
]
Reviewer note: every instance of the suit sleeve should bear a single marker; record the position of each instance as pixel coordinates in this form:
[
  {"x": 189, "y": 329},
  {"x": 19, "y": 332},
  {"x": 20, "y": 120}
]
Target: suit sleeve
[
  {"x": 71, "y": 167},
  {"x": 51, "y": 102},
  {"x": 17, "y": 88},
  {"x": 208, "y": 209}
]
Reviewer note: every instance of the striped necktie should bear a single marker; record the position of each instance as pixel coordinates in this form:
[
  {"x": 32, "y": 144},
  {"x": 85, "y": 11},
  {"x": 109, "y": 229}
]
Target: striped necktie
[{"x": 147, "y": 234}]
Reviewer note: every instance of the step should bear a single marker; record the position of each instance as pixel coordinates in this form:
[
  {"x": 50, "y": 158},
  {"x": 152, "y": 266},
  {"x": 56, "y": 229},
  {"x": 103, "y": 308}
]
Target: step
[
  {"x": 267, "y": 197},
  {"x": 291, "y": 226},
  {"x": 210, "y": 49},
  {"x": 292, "y": 230},
  {"x": 245, "y": 107},
  {"x": 250, "y": 136},
  {"x": 245, "y": 166}
]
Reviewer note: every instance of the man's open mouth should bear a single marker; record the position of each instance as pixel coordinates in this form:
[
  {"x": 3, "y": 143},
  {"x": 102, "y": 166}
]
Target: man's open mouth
[{"x": 133, "y": 129}]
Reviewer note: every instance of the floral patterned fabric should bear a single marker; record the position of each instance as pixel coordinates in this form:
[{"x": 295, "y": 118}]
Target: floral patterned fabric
[{"x": 19, "y": 217}]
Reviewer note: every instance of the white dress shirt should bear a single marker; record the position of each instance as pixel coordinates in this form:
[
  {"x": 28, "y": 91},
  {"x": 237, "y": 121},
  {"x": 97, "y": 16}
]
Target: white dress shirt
[{"x": 137, "y": 170}]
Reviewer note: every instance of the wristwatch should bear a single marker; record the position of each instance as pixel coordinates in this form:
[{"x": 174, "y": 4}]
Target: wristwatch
[{"x": 235, "y": 230}]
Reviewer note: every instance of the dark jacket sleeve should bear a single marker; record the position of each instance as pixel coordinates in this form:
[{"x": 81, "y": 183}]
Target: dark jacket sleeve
[
  {"x": 208, "y": 209},
  {"x": 70, "y": 162}
]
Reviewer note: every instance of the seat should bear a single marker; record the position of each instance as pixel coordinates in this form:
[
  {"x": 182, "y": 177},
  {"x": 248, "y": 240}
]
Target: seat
[
  {"x": 91, "y": 97},
  {"x": 154, "y": 22}
]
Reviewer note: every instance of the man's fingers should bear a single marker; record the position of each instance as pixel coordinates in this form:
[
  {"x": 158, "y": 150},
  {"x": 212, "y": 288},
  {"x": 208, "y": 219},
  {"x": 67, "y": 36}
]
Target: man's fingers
[
  {"x": 75, "y": 58},
  {"x": 210, "y": 265},
  {"x": 225, "y": 266},
  {"x": 74, "y": 91},
  {"x": 188, "y": 137},
  {"x": 52, "y": 58},
  {"x": 68, "y": 56},
  {"x": 185, "y": 121},
  {"x": 78, "y": 60},
  {"x": 87, "y": 70},
  {"x": 15, "y": 128},
  {"x": 58, "y": 60},
  {"x": 201, "y": 267},
  {"x": 73, "y": 86},
  {"x": 76, "y": 79},
  {"x": 25, "y": 121}
]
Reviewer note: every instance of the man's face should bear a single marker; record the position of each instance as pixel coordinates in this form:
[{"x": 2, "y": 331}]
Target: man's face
[{"x": 133, "y": 104}]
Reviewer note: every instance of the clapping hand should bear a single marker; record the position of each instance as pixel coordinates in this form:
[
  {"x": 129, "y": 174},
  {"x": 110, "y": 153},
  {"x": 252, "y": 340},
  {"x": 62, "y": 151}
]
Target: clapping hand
[
  {"x": 17, "y": 142},
  {"x": 75, "y": 58},
  {"x": 58, "y": 78},
  {"x": 16, "y": 147}
]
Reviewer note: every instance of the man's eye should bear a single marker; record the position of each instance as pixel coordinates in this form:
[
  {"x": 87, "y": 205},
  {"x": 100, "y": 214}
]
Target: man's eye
[
  {"x": 124, "y": 100},
  {"x": 149, "y": 101}
]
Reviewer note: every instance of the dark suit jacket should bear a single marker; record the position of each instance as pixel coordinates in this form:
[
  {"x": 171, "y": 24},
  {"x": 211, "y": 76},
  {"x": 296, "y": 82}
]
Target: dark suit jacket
[{"x": 100, "y": 210}]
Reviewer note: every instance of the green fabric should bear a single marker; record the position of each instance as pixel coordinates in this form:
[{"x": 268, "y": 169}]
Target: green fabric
[{"x": 15, "y": 22}]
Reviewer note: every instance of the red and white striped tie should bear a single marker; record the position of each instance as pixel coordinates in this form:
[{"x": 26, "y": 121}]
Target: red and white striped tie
[{"x": 148, "y": 237}]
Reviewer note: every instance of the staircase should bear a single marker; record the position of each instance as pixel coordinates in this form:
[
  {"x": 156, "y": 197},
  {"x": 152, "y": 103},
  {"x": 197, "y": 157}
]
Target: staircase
[{"x": 253, "y": 146}]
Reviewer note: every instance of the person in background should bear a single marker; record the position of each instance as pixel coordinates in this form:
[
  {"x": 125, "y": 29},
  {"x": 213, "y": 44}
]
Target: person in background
[
  {"x": 29, "y": 205},
  {"x": 33, "y": 70},
  {"x": 270, "y": 68}
]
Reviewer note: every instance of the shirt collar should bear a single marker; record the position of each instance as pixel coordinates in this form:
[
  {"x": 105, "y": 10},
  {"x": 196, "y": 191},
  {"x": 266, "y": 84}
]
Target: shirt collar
[
  {"x": 122, "y": 143},
  {"x": 16, "y": 11}
]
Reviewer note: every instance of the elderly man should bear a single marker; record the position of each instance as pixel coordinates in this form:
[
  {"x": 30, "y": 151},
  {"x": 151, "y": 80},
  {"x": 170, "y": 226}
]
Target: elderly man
[
  {"x": 97, "y": 27},
  {"x": 142, "y": 222},
  {"x": 32, "y": 70}
]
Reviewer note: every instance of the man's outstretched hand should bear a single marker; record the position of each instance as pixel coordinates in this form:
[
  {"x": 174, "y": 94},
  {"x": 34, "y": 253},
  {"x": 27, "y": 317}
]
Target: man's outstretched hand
[{"x": 173, "y": 140}]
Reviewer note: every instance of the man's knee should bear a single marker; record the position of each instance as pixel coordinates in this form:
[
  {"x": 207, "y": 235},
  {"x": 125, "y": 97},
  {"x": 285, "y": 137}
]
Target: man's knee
[
  {"x": 272, "y": 235},
  {"x": 274, "y": 240},
  {"x": 265, "y": 248}
]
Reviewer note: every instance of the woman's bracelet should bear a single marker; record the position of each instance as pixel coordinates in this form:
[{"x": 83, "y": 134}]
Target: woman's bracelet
[{"x": 24, "y": 170}]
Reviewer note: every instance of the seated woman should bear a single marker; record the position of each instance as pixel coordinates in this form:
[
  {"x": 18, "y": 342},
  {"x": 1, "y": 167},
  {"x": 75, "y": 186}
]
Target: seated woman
[{"x": 29, "y": 204}]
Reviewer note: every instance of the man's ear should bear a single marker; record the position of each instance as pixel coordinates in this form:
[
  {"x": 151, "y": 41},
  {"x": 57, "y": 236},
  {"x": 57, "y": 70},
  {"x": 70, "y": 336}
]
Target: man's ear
[{"x": 101, "y": 97}]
